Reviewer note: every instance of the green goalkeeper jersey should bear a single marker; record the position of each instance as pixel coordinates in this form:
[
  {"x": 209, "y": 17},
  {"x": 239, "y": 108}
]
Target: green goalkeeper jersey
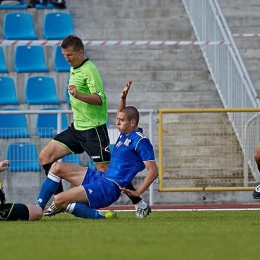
[{"x": 87, "y": 80}]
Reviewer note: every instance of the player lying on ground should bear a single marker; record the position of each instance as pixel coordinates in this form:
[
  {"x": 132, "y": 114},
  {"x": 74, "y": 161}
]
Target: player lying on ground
[
  {"x": 16, "y": 211},
  {"x": 93, "y": 190}
]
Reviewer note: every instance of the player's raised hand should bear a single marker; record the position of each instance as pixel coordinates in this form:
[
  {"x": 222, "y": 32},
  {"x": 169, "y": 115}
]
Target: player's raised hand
[{"x": 126, "y": 89}]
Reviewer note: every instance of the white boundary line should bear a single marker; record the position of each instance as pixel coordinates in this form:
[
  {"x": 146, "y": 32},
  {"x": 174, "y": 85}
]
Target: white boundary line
[{"x": 163, "y": 210}]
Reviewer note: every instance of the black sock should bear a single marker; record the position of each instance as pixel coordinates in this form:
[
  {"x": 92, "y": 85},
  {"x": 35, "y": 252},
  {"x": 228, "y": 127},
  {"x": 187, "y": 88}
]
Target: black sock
[
  {"x": 134, "y": 200},
  {"x": 46, "y": 168},
  {"x": 258, "y": 166}
]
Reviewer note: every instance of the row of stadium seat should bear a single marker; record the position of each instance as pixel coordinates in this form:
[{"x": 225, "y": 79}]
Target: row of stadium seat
[
  {"x": 32, "y": 59},
  {"x": 14, "y": 125},
  {"x": 20, "y": 26},
  {"x": 20, "y": 4},
  {"x": 24, "y": 157},
  {"x": 39, "y": 90}
]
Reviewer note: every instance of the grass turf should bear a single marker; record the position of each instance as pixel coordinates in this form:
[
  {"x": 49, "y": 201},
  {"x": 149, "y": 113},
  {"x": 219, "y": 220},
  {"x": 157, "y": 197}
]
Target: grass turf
[{"x": 196, "y": 235}]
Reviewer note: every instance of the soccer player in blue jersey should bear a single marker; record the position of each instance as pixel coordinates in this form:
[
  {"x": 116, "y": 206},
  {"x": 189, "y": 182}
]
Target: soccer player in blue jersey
[{"x": 93, "y": 190}]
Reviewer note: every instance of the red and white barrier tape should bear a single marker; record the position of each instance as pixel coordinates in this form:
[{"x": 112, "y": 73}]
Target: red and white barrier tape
[
  {"x": 109, "y": 43},
  {"x": 246, "y": 35}
]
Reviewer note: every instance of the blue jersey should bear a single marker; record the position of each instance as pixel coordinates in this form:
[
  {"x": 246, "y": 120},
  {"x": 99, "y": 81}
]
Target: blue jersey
[{"x": 129, "y": 153}]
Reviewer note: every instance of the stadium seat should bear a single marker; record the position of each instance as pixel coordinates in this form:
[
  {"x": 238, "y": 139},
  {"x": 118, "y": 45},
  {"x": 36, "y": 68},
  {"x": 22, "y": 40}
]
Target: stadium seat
[
  {"x": 13, "y": 5},
  {"x": 71, "y": 158},
  {"x": 91, "y": 164},
  {"x": 60, "y": 63},
  {"x": 3, "y": 68},
  {"x": 30, "y": 59},
  {"x": 46, "y": 124},
  {"x": 13, "y": 125},
  {"x": 67, "y": 96},
  {"x": 8, "y": 92},
  {"x": 23, "y": 156},
  {"x": 41, "y": 90},
  {"x": 19, "y": 26},
  {"x": 57, "y": 25}
]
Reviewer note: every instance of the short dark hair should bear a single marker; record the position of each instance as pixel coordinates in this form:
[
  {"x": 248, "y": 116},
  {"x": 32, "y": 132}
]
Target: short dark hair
[
  {"x": 74, "y": 41},
  {"x": 131, "y": 113}
]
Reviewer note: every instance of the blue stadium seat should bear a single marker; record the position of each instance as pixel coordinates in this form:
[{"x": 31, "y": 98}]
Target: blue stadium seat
[
  {"x": 60, "y": 63},
  {"x": 30, "y": 59},
  {"x": 41, "y": 90},
  {"x": 19, "y": 26},
  {"x": 57, "y": 25},
  {"x": 67, "y": 96},
  {"x": 8, "y": 92},
  {"x": 71, "y": 158},
  {"x": 23, "y": 156},
  {"x": 20, "y": 5},
  {"x": 91, "y": 164},
  {"x": 3, "y": 68},
  {"x": 13, "y": 125},
  {"x": 46, "y": 124}
]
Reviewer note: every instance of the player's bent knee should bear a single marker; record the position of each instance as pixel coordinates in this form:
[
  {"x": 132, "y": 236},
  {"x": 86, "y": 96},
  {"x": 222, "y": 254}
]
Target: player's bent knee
[
  {"x": 35, "y": 212},
  {"x": 56, "y": 168},
  {"x": 59, "y": 202}
]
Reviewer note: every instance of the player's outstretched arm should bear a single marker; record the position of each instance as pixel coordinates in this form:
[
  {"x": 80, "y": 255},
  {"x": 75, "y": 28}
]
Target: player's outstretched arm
[
  {"x": 122, "y": 102},
  {"x": 152, "y": 174}
]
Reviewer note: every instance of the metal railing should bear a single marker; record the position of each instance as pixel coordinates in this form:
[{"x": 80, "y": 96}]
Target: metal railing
[
  {"x": 209, "y": 154},
  {"x": 227, "y": 69},
  {"x": 147, "y": 124}
]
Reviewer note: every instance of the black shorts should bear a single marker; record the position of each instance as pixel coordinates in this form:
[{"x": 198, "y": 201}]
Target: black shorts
[
  {"x": 14, "y": 211},
  {"x": 95, "y": 142}
]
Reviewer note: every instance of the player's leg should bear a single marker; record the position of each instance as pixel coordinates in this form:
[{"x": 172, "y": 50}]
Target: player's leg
[
  {"x": 70, "y": 172},
  {"x": 81, "y": 210},
  {"x": 35, "y": 212},
  {"x": 76, "y": 200},
  {"x": 62, "y": 144},
  {"x": 142, "y": 209},
  {"x": 256, "y": 192},
  {"x": 52, "y": 152},
  {"x": 14, "y": 211}
]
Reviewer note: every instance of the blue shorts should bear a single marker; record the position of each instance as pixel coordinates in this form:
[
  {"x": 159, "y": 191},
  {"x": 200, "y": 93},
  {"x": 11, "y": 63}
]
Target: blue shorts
[{"x": 101, "y": 192}]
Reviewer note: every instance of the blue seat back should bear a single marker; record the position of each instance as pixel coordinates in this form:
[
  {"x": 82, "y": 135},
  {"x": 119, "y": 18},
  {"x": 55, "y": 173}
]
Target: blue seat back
[
  {"x": 30, "y": 59},
  {"x": 46, "y": 124},
  {"x": 3, "y": 68},
  {"x": 13, "y": 125},
  {"x": 57, "y": 25},
  {"x": 19, "y": 26},
  {"x": 71, "y": 158},
  {"x": 41, "y": 90},
  {"x": 8, "y": 91},
  {"x": 60, "y": 63},
  {"x": 67, "y": 96},
  {"x": 23, "y": 156}
]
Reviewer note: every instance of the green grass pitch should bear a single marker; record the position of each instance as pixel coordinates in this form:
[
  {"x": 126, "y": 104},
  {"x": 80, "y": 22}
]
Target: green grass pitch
[{"x": 196, "y": 235}]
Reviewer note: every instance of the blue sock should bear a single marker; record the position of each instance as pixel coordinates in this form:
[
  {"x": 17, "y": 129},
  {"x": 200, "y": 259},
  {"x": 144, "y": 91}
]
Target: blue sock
[
  {"x": 81, "y": 210},
  {"x": 49, "y": 186}
]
